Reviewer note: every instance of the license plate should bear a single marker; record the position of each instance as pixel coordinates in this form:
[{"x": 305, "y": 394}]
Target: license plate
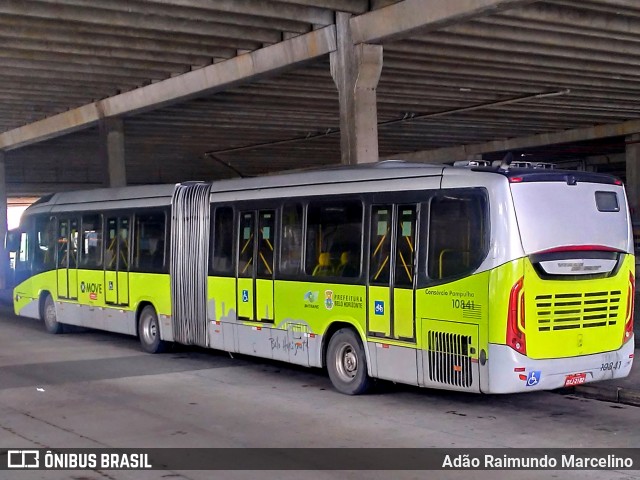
[{"x": 575, "y": 379}]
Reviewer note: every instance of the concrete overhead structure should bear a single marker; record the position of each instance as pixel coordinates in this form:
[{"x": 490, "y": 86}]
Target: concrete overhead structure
[
  {"x": 4, "y": 259},
  {"x": 356, "y": 70},
  {"x": 267, "y": 86},
  {"x": 633, "y": 174},
  {"x": 112, "y": 140}
]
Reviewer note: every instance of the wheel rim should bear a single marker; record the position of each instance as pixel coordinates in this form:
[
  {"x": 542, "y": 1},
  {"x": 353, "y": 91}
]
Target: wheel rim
[
  {"x": 149, "y": 329},
  {"x": 346, "y": 362}
]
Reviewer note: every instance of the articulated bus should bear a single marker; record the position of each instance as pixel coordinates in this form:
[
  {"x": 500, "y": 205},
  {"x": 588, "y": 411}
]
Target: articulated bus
[{"x": 486, "y": 279}]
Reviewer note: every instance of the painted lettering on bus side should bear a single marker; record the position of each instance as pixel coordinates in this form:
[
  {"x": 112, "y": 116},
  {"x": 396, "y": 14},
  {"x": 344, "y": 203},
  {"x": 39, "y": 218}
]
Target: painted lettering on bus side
[
  {"x": 289, "y": 346},
  {"x": 86, "y": 287}
]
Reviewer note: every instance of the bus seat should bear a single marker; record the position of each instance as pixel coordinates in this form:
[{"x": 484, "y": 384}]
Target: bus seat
[
  {"x": 324, "y": 267},
  {"x": 346, "y": 267}
]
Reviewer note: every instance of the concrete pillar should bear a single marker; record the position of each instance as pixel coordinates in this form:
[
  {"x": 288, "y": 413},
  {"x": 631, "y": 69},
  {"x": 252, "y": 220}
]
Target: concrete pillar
[
  {"x": 4, "y": 256},
  {"x": 112, "y": 138},
  {"x": 632, "y": 186},
  {"x": 633, "y": 174},
  {"x": 356, "y": 70}
]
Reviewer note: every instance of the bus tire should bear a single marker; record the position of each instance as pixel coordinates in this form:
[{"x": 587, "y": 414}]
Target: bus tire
[
  {"x": 49, "y": 316},
  {"x": 149, "y": 331},
  {"x": 347, "y": 363}
]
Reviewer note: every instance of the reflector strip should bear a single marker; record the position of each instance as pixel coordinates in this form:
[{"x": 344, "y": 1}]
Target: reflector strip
[{"x": 579, "y": 248}]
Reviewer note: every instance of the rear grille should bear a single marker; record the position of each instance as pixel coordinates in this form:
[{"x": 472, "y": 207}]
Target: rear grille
[
  {"x": 566, "y": 311},
  {"x": 449, "y": 360}
]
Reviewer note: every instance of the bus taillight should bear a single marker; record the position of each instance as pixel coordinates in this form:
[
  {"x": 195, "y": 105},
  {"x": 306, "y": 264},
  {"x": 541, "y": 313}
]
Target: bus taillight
[
  {"x": 628, "y": 325},
  {"x": 516, "y": 338}
]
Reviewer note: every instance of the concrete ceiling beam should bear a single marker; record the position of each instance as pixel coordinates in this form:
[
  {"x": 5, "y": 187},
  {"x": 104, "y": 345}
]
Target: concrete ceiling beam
[
  {"x": 411, "y": 17},
  {"x": 102, "y": 16},
  {"x": 185, "y": 12},
  {"x": 544, "y": 38},
  {"x": 271, "y": 10},
  {"x": 579, "y": 50},
  {"x": 545, "y": 78},
  {"x": 585, "y": 20},
  {"x": 539, "y": 140},
  {"x": 140, "y": 37},
  {"x": 616, "y": 7},
  {"x": 349, "y": 6},
  {"x": 80, "y": 51},
  {"x": 133, "y": 74},
  {"x": 215, "y": 77},
  {"x": 68, "y": 41},
  {"x": 156, "y": 66}
]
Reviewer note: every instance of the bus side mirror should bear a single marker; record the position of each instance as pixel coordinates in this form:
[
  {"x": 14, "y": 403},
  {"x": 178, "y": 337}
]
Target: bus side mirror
[{"x": 12, "y": 241}]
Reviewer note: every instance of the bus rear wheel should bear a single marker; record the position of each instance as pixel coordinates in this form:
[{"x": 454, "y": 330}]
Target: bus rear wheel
[
  {"x": 347, "y": 363},
  {"x": 149, "y": 331},
  {"x": 50, "y": 318}
]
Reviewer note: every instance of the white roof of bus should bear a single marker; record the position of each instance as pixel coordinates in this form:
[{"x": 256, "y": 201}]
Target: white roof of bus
[{"x": 339, "y": 174}]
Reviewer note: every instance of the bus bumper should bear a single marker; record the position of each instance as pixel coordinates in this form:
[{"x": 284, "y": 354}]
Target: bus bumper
[{"x": 511, "y": 372}]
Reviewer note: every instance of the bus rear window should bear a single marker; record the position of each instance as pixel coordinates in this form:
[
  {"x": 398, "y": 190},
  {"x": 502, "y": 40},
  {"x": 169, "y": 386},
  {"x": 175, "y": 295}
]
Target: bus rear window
[{"x": 607, "y": 202}]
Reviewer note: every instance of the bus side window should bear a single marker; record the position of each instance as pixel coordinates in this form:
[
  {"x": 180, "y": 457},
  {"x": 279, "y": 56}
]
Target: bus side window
[
  {"x": 45, "y": 249},
  {"x": 405, "y": 245},
  {"x": 74, "y": 235},
  {"x": 222, "y": 256},
  {"x": 149, "y": 253},
  {"x": 380, "y": 266},
  {"x": 291, "y": 249},
  {"x": 91, "y": 248},
  {"x": 22, "y": 255},
  {"x": 116, "y": 253},
  {"x": 457, "y": 234},
  {"x": 334, "y": 235},
  {"x": 123, "y": 243},
  {"x": 111, "y": 251},
  {"x": 245, "y": 254},
  {"x": 266, "y": 228}
]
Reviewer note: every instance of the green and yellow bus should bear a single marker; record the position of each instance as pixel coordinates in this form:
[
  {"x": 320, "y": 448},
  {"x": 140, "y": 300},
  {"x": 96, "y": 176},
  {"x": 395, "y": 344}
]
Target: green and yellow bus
[{"x": 485, "y": 279}]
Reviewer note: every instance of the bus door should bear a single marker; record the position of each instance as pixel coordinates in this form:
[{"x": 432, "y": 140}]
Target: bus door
[
  {"x": 19, "y": 244},
  {"x": 255, "y": 266},
  {"x": 255, "y": 281},
  {"x": 391, "y": 272},
  {"x": 116, "y": 265},
  {"x": 67, "y": 258}
]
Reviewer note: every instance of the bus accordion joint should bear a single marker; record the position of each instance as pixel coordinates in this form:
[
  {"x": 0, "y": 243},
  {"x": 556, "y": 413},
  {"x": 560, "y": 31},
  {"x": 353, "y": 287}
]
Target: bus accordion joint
[
  {"x": 516, "y": 337},
  {"x": 628, "y": 325}
]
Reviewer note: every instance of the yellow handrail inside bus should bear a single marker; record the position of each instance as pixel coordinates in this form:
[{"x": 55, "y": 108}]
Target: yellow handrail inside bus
[
  {"x": 264, "y": 260},
  {"x": 404, "y": 264}
]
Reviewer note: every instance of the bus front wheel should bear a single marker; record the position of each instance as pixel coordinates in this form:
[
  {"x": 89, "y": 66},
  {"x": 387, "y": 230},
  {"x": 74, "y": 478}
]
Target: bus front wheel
[
  {"x": 50, "y": 317},
  {"x": 149, "y": 331},
  {"x": 347, "y": 363}
]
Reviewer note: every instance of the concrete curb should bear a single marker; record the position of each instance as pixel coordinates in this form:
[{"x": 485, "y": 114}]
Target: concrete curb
[{"x": 610, "y": 394}]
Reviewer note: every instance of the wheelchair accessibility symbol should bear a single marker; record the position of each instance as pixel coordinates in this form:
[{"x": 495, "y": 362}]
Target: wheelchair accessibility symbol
[
  {"x": 534, "y": 378},
  {"x": 245, "y": 295}
]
